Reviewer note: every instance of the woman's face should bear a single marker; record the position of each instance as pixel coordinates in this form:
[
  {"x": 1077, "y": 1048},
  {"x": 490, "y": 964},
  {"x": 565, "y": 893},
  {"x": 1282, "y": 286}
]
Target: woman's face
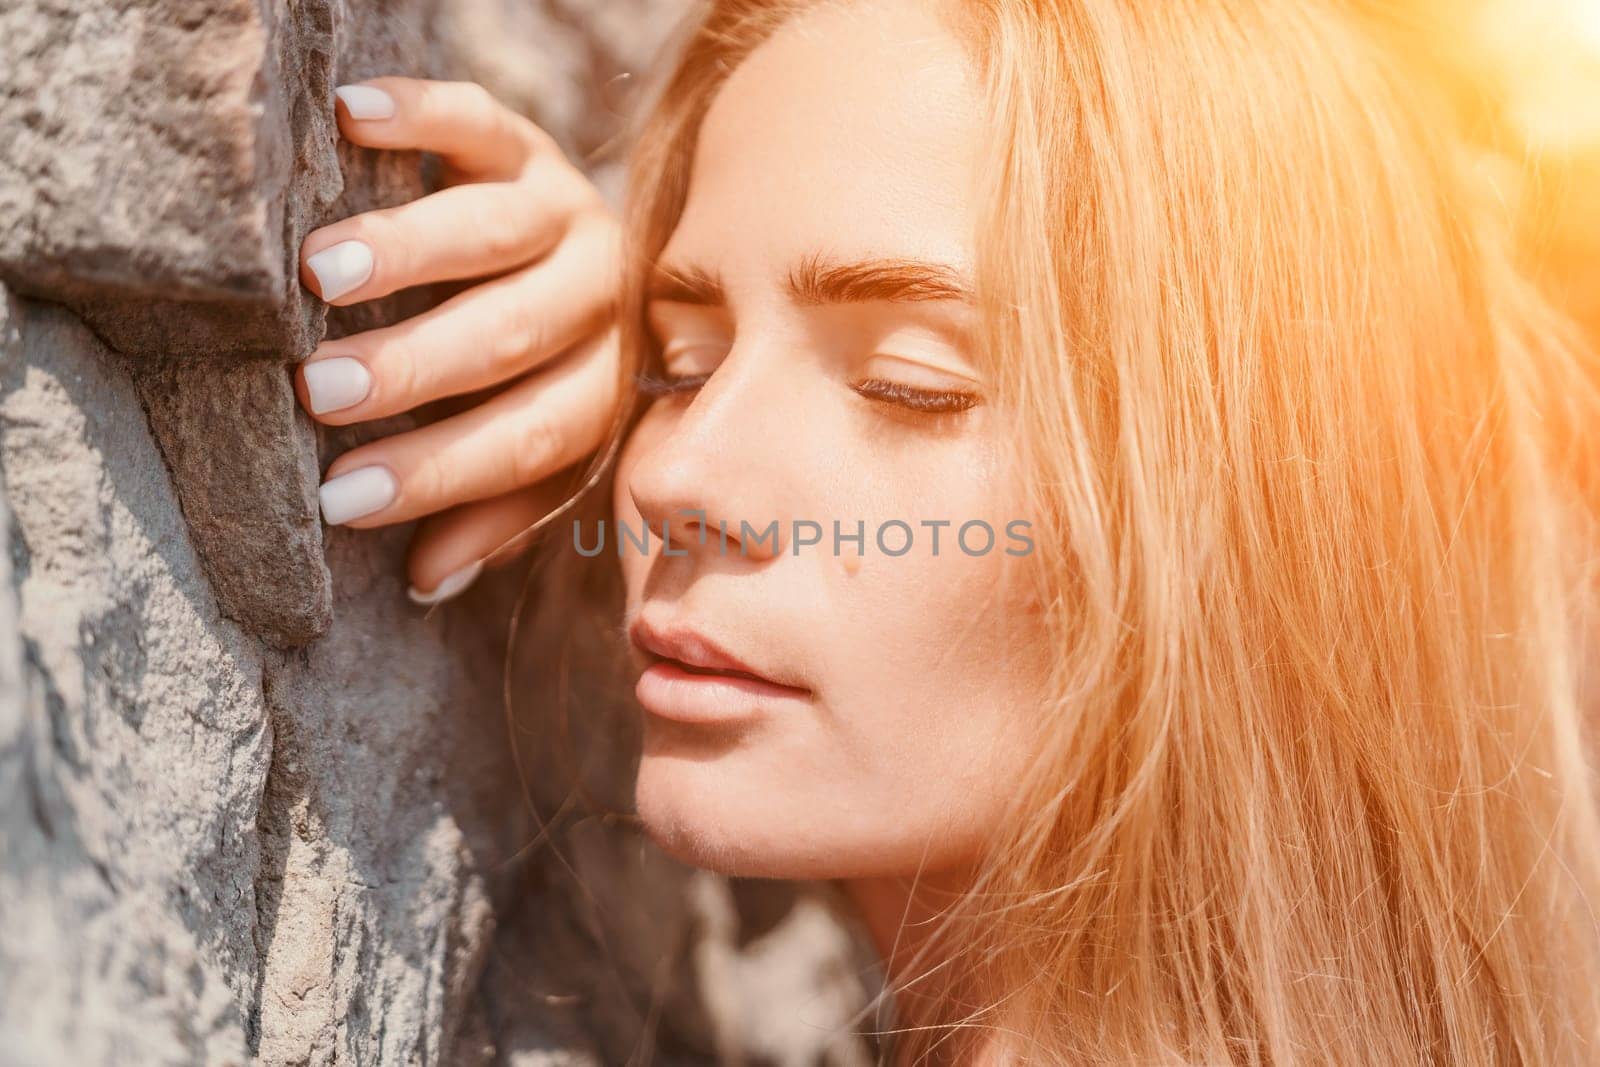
[{"x": 817, "y": 275}]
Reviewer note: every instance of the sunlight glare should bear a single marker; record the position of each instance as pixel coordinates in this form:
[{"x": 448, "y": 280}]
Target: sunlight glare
[{"x": 1546, "y": 54}]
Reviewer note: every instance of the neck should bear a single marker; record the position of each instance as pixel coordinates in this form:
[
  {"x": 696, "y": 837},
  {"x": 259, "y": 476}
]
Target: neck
[{"x": 902, "y": 916}]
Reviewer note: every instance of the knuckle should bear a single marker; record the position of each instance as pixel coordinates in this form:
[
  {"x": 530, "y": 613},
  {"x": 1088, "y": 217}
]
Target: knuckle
[
  {"x": 427, "y": 485},
  {"x": 391, "y": 256},
  {"x": 537, "y": 444},
  {"x": 576, "y": 202},
  {"x": 564, "y": 186},
  {"x": 426, "y": 97},
  {"x": 541, "y": 147},
  {"x": 594, "y": 203},
  {"x": 475, "y": 95},
  {"x": 450, "y": 103},
  {"x": 479, "y": 104},
  {"x": 495, "y": 239},
  {"x": 396, "y": 381},
  {"x": 520, "y": 331},
  {"x": 540, "y": 139}
]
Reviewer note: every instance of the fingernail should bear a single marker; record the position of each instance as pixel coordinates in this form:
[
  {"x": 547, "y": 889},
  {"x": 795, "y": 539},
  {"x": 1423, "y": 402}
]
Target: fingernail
[
  {"x": 341, "y": 267},
  {"x": 336, "y": 383},
  {"x": 366, "y": 101},
  {"x": 452, "y": 585},
  {"x": 358, "y": 493}
]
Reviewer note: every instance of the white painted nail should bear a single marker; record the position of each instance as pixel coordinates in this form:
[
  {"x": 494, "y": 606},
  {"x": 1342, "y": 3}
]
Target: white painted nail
[
  {"x": 451, "y": 586},
  {"x": 341, "y": 267},
  {"x": 336, "y": 383},
  {"x": 366, "y": 101},
  {"x": 356, "y": 493}
]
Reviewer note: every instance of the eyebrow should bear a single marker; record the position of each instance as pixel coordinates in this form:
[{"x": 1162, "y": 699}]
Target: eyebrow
[{"x": 817, "y": 280}]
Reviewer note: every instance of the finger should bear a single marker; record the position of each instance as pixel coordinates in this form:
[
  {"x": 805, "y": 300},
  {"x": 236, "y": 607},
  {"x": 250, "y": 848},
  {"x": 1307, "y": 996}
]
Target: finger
[
  {"x": 451, "y": 548},
  {"x": 465, "y": 231},
  {"x": 483, "y": 336},
  {"x": 537, "y": 426},
  {"x": 461, "y": 121}
]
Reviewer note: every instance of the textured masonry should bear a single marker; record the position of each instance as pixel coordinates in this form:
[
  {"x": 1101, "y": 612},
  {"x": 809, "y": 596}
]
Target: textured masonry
[{"x": 254, "y": 805}]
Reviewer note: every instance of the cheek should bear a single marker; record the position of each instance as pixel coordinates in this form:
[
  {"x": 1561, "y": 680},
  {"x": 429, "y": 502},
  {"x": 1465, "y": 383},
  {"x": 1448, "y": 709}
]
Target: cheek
[
  {"x": 934, "y": 688},
  {"x": 941, "y": 659},
  {"x": 959, "y": 627},
  {"x": 939, "y": 648}
]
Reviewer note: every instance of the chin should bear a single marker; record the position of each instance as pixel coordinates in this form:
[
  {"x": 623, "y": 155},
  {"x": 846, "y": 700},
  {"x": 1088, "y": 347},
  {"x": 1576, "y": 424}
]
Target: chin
[
  {"x": 693, "y": 813},
  {"x": 706, "y": 813}
]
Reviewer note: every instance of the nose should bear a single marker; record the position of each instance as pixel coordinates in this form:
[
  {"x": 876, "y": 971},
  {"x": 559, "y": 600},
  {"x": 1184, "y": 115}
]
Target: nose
[{"x": 714, "y": 480}]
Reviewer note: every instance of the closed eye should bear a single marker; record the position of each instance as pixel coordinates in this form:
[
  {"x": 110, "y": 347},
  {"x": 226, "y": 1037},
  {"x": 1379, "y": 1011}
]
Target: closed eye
[
  {"x": 924, "y": 401},
  {"x": 669, "y": 385}
]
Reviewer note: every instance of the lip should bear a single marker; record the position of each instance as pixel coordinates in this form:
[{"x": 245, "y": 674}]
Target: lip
[{"x": 691, "y": 678}]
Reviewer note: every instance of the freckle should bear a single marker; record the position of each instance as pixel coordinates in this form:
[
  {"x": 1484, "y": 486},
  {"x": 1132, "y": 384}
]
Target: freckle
[{"x": 851, "y": 564}]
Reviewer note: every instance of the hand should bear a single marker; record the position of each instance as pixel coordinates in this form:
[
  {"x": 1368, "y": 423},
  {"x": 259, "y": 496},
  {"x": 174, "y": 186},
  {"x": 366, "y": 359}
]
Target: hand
[{"x": 514, "y": 211}]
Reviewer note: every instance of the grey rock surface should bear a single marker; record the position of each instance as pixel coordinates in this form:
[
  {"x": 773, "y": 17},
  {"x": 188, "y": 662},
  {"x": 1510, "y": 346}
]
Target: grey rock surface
[
  {"x": 134, "y": 746},
  {"x": 252, "y": 498},
  {"x": 159, "y": 162},
  {"x": 255, "y": 806},
  {"x": 160, "y": 153}
]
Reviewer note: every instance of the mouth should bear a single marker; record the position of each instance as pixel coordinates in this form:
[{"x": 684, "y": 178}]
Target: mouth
[{"x": 691, "y": 678}]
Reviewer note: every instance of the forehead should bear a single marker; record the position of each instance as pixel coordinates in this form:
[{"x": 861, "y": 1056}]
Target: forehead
[{"x": 853, "y": 130}]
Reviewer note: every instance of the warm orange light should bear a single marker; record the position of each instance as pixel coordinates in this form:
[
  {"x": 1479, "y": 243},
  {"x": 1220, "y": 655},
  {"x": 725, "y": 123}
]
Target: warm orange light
[
  {"x": 1546, "y": 54},
  {"x": 1587, "y": 20}
]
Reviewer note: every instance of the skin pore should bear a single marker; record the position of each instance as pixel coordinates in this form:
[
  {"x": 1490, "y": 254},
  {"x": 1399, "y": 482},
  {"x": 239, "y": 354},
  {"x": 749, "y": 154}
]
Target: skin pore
[{"x": 812, "y": 310}]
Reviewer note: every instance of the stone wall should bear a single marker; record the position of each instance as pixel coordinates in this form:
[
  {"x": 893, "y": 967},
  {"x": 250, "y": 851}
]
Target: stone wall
[{"x": 255, "y": 806}]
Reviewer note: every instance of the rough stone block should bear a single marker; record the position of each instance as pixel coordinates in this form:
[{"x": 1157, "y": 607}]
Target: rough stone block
[
  {"x": 155, "y": 160},
  {"x": 133, "y": 748},
  {"x": 159, "y": 163}
]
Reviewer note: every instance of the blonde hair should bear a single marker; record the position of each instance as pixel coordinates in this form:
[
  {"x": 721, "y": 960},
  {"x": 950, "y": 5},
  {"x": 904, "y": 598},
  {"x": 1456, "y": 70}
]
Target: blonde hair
[{"x": 1309, "y": 467}]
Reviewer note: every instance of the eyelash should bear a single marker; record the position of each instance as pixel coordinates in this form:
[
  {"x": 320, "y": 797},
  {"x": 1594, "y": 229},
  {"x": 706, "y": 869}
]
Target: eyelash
[
  {"x": 922, "y": 401},
  {"x": 650, "y": 385}
]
